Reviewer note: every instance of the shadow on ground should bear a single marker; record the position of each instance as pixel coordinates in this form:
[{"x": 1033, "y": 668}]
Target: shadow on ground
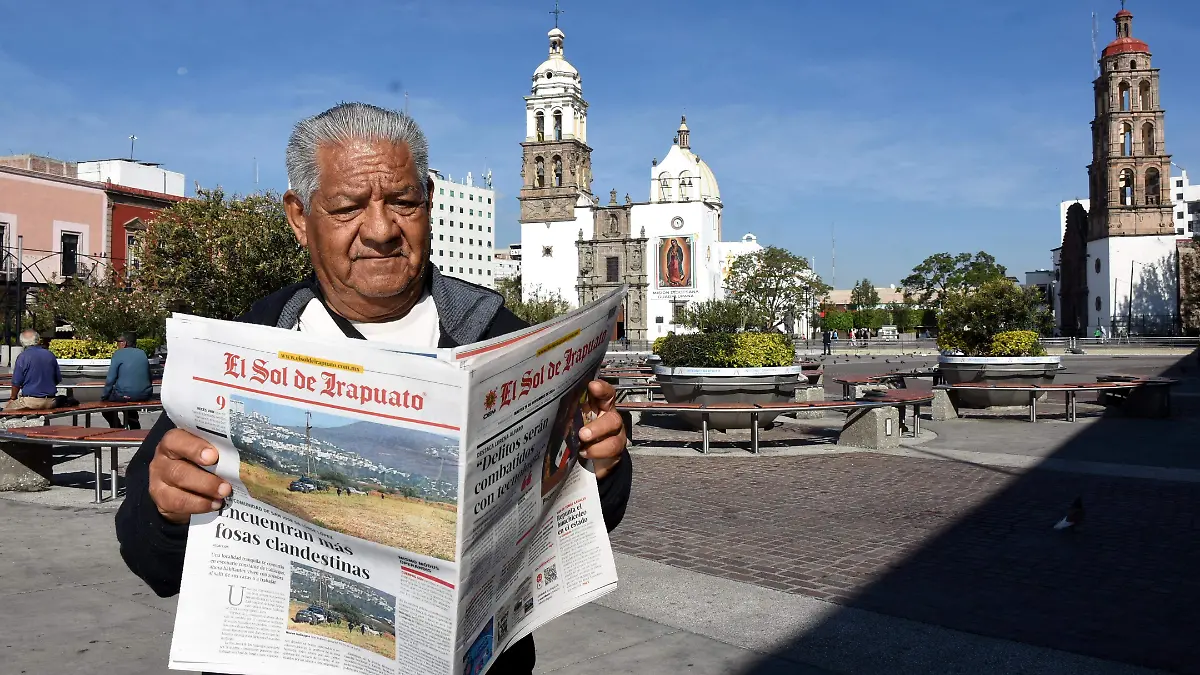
[{"x": 1123, "y": 587}]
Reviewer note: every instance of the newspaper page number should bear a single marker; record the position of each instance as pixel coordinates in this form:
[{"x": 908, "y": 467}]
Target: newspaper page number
[{"x": 220, "y": 403}]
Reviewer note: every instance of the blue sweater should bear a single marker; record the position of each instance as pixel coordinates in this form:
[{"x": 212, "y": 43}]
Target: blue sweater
[{"x": 128, "y": 375}]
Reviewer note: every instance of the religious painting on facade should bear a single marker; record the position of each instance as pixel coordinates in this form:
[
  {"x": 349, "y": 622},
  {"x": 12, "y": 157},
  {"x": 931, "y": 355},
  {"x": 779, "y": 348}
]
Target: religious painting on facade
[{"x": 675, "y": 262}]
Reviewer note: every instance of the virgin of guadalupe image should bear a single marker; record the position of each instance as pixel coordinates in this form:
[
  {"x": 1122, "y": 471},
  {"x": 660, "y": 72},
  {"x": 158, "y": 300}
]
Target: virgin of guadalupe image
[{"x": 676, "y": 267}]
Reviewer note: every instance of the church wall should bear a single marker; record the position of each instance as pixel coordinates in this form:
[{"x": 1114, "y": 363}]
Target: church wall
[
  {"x": 699, "y": 223},
  {"x": 1155, "y": 284},
  {"x": 556, "y": 273}
]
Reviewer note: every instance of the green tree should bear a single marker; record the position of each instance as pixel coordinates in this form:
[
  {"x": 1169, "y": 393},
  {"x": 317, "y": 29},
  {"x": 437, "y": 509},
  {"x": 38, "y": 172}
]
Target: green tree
[
  {"x": 539, "y": 307},
  {"x": 904, "y": 316},
  {"x": 773, "y": 282},
  {"x": 863, "y": 296},
  {"x": 215, "y": 255},
  {"x": 718, "y": 316},
  {"x": 838, "y": 320},
  {"x": 971, "y": 317},
  {"x": 943, "y": 272}
]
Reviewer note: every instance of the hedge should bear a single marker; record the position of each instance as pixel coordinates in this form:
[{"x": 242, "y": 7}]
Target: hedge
[
  {"x": 1016, "y": 343},
  {"x": 96, "y": 349},
  {"x": 726, "y": 350}
]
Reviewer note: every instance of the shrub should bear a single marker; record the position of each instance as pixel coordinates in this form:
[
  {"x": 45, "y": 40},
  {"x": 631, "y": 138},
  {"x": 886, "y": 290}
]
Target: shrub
[
  {"x": 1017, "y": 343},
  {"x": 971, "y": 318},
  {"x": 719, "y": 316},
  {"x": 96, "y": 349},
  {"x": 726, "y": 350}
]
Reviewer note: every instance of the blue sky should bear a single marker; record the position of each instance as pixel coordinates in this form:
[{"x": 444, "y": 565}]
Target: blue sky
[
  {"x": 285, "y": 415},
  {"x": 913, "y": 127}
]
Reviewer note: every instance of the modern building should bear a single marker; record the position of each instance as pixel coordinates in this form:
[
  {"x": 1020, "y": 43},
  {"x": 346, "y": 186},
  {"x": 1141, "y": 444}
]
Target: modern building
[
  {"x": 1118, "y": 261},
  {"x": 667, "y": 249},
  {"x": 1185, "y": 201},
  {"x": 147, "y": 176},
  {"x": 463, "y": 228},
  {"x": 508, "y": 262}
]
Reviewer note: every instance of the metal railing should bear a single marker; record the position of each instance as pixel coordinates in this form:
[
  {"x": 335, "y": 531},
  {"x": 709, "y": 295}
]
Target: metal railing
[{"x": 1135, "y": 341}]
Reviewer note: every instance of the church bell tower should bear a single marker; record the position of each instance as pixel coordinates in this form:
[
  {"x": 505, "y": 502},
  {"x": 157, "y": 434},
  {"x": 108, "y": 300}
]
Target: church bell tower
[
  {"x": 1130, "y": 170},
  {"x": 556, "y": 166}
]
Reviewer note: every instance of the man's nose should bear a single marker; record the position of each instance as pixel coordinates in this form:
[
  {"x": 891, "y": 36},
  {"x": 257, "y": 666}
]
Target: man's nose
[{"x": 380, "y": 230}]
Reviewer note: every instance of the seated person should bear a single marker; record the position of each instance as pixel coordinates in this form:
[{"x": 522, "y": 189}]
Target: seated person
[
  {"x": 128, "y": 381},
  {"x": 35, "y": 375}
]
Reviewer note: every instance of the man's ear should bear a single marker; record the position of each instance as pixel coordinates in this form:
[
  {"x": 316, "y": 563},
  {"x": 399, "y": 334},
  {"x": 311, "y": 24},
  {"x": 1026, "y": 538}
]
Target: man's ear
[{"x": 294, "y": 209}]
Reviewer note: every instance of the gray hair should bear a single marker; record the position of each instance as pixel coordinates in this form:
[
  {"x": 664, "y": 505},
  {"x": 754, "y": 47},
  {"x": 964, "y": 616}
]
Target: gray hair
[
  {"x": 29, "y": 337},
  {"x": 345, "y": 122}
]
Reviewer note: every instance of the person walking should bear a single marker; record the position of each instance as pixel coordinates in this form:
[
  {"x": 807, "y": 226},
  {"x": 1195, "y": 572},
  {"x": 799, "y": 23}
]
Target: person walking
[
  {"x": 35, "y": 375},
  {"x": 128, "y": 381},
  {"x": 826, "y": 342}
]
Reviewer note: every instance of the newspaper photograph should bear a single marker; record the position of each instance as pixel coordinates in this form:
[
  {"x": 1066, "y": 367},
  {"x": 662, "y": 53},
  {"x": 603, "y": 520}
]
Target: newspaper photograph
[{"x": 392, "y": 511}]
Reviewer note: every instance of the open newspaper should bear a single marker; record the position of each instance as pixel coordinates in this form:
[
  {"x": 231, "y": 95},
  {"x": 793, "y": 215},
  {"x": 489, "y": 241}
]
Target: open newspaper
[{"x": 394, "y": 510}]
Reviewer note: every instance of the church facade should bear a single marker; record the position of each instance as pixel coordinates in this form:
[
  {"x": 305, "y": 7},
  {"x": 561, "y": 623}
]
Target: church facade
[{"x": 667, "y": 248}]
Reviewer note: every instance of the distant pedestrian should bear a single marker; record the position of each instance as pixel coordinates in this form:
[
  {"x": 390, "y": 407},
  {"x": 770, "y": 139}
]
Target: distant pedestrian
[
  {"x": 826, "y": 343},
  {"x": 339, "y": 492}
]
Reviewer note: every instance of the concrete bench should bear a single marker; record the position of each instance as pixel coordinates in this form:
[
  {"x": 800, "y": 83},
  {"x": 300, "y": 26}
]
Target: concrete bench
[
  {"x": 868, "y": 424},
  {"x": 1139, "y": 397}
]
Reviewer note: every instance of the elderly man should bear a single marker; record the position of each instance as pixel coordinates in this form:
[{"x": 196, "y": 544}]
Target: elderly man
[
  {"x": 128, "y": 381},
  {"x": 35, "y": 375},
  {"x": 360, "y": 203}
]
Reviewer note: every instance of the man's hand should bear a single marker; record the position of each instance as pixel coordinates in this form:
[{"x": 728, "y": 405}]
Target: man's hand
[
  {"x": 178, "y": 486},
  {"x": 603, "y": 440}
]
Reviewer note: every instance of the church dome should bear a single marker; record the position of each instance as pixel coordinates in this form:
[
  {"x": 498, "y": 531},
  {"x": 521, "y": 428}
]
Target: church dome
[
  {"x": 556, "y": 66},
  {"x": 682, "y": 175}
]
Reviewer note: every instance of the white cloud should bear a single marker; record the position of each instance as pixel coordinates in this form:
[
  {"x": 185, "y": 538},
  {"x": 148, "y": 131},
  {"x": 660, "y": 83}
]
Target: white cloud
[{"x": 181, "y": 70}]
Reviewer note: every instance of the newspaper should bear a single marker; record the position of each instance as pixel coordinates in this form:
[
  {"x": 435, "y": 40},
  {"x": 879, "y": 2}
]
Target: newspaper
[{"x": 394, "y": 510}]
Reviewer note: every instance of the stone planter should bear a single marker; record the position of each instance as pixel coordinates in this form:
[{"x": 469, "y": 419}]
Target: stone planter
[
  {"x": 728, "y": 385},
  {"x": 98, "y": 368},
  {"x": 997, "y": 370}
]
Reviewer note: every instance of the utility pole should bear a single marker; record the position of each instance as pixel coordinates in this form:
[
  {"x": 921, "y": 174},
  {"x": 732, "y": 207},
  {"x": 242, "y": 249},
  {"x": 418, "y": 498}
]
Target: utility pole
[
  {"x": 132, "y": 140},
  {"x": 308, "y": 439},
  {"x": 833, "y": 255}
]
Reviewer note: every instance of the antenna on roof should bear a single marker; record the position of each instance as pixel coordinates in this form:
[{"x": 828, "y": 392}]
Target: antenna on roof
[
  {"x": 406, "y": 103},
  {"x": 255, "y": 171},
  {"x": 132, "y": 140}
]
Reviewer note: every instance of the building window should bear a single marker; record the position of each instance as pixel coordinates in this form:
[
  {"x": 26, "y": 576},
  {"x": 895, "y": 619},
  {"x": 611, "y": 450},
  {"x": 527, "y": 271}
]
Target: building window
[
  {"x": 1123, "y": 92},
  {"x": 1097, "y": 266},
  {"x": 1097, "y": 303},
  {"x": 441, "y": 237},
  {"x": 471, "y": 212},
  {"x": 470, "y": 226},
  {"x": 558, "y": 125},
  {"x": 676, "y": 310},
  {"x": 658, "y": 319},
  {"x": 547, "y": 251},
  {"x": 1144, "y": 96},
  {"x": 470, "y": 256},
  {"x": 1149, "y": 147},
  {"x": 460, "y": 240},
  {"x": 539, "y": 171},
  {"x": 441, "y": 191},
  {"x": 489, "y": 200},
  {"x": 489, "y": 214},
  {"x": 70, "y": 254},
  {"x": 471, "y": 241},
  {"x": 441, "y": 221},
  {"x": 612, "y": 272},
  {"x": 1179, "y": 183},
  {"x": 664, "y": 187},
  {"x": 1178, "y": 196},
  {"x": 470, "y": 198},
  {"x": 1179, "y": 230},
  {"x": 489, "y": 273},
  {"x": 489, "y": 228},
  {"x": 1153, "y": 187},
  {"x": 460, "y": 209},
  {"x": 452, "y": 193},
  {"x": 470, "y": 270},
  {"x": 489, "y": 258},
  {"x": 440, "y": 269},
  {"x": 558, "y": 171},
  {"x": 539, "y": 123},
  {"x": 441, "y": 207},
  {"x": 1179, "y": 215},
  {"x": 1125, "y": 187}
]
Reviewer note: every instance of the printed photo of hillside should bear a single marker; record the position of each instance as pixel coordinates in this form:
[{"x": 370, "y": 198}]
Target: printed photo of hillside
[
  {"x": 394, "y": 486},
  {"x": 348, "y": 611}
]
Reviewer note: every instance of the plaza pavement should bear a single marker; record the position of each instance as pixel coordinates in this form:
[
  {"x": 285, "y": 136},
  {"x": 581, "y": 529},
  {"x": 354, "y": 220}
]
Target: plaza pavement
[{"x": 937, "y": 557}]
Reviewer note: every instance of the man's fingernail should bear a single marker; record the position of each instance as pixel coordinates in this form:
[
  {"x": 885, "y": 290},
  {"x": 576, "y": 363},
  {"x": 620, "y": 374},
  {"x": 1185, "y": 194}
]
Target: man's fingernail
[
  {"x": 225, "y": 489},
  {"x": 583, "y": 454},
  {"x": 216, "y": 505},
  {"x": 585, "y": 434},
  {"x": 208, "y": 456}
]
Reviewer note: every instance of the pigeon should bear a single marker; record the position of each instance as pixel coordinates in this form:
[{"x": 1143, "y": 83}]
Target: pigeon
[{"x": 1074, "y": 515}]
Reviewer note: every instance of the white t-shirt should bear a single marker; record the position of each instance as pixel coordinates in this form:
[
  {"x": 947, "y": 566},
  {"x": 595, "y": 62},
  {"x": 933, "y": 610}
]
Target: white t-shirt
[{"x": 418, "y": 328}]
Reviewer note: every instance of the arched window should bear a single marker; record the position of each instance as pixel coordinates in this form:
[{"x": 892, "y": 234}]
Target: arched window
[
  {"x": 1133, "y": 65},
  {"x": 1153, "y": 188},
  {"x": 664, "y": 186},
  {"x": 685, "y": 186},
  {"x": 540, "y": 124},
  {"x": 557, "y": 171},
  {"x": 1145, "y": 102},
  {"x": 1126, "y": 140},
  {"x": 558, "y": 125},
  {"x": 1149, "y": 147},
  {"x": 1125, "y": 186},
  {"x": 540, "y": 172},
  {"x": 1123, "y": 91}
]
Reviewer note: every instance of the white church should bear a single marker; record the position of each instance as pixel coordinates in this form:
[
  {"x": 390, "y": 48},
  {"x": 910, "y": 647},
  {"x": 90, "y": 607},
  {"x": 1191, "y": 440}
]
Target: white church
[{"x": 667, "y": 248}]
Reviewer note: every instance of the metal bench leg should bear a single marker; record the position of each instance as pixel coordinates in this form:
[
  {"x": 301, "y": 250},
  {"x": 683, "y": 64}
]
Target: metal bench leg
[
  {"x": 704, "y": 428},
  {"x": 1033, "y": 406},
  {"x": 87, "y": 420},
  {"x": 916, "y": 420},
  {"x": 112, "y": 471},
  {"x": 754, "y": 432},
  {"x": 1071, "y": 406},
  {"x": 97, "y": 466}
]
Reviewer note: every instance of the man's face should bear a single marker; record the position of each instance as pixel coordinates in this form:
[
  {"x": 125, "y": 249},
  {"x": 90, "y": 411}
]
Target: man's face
[{"x": 367, "y": 226}]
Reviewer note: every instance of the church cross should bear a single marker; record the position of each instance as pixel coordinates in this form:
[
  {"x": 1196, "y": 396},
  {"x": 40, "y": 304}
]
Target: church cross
[{"x": 558, "y": 11}]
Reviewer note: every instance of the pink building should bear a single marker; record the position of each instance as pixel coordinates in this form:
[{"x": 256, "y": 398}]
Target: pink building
[{"x": 61, "y": 222}]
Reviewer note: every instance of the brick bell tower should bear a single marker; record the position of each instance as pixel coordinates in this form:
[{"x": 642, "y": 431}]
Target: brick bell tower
[{"x": 1130, "y": 170}]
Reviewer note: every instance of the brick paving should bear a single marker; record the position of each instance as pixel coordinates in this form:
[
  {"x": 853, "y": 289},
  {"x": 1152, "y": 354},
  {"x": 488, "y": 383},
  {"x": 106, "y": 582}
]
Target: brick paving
[{"x": 958, "y": 545}]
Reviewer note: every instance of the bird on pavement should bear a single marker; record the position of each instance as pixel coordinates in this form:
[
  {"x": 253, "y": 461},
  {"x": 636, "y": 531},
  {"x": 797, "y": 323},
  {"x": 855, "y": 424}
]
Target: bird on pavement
[{"x": 1074, "y": 515}]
